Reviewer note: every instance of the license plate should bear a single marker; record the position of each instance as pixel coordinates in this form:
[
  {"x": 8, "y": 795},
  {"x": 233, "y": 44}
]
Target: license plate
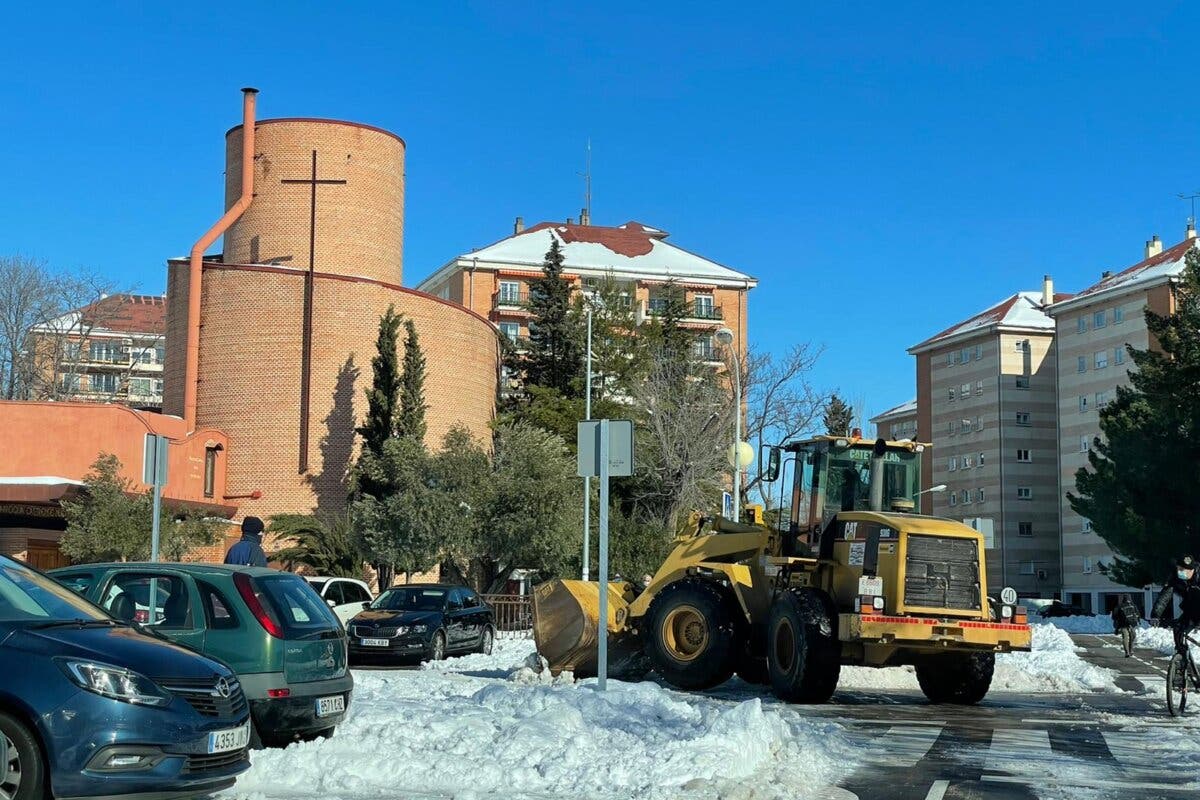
[
  {"x": 232, "y": 739},
  {"x": 375, "y": 642},
  {"x": 330, "y": 705}
]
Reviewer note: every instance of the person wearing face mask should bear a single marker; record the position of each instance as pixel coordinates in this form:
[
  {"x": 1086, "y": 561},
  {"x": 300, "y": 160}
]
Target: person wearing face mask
[{"x": 1186, "y": 584}]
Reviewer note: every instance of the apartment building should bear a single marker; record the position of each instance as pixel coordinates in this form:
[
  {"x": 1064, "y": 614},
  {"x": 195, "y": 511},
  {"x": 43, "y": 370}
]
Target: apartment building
[
  {"x": 111, "y": 350},
  {"x": 986, "y": 401},
  {"x": 493, "y": 281},
  {"x": 899, "y": 422},
  {"x": 1093, "y": 329}
]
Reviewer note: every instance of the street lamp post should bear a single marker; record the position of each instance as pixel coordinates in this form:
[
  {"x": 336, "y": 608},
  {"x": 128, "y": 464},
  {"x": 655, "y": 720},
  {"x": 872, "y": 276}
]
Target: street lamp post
[
  {"x": 587, "y": 413},
  {"x": 725, "y": 337}
]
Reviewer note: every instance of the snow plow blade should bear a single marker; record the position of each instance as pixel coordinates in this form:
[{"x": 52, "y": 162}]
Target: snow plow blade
[{"x": 565, "y": 616}]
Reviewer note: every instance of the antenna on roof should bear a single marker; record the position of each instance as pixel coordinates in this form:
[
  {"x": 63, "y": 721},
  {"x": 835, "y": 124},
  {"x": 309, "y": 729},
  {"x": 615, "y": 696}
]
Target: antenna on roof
[
  {"x": 1192, "y": 197},
  {"x": 585, "y": 218}
]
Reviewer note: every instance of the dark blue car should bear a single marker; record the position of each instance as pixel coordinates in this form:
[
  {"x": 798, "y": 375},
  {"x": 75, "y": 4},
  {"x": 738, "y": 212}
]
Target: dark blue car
[{"x": 92, "y": 707}]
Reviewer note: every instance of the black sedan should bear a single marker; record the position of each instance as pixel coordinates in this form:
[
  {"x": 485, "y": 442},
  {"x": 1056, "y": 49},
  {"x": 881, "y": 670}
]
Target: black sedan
[{"x": 421, "y": 621}]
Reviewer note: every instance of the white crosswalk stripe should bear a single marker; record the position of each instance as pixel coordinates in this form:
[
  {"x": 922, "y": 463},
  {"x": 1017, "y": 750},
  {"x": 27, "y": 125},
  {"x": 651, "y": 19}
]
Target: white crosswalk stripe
[
  {"x": 904, "y": 746},
  {"x": 1014, "y": 749}
]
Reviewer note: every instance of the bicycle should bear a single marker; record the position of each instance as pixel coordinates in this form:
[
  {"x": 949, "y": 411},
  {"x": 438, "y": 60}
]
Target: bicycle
[{"x": 1182, "y": 667}]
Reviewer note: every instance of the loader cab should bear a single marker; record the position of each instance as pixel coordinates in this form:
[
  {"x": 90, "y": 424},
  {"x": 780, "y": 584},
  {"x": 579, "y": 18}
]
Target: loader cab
[{"x": 834, "y": 474}]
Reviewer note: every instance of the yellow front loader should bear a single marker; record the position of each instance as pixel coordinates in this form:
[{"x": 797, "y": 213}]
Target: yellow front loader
[{"x": 857, "y": 578}]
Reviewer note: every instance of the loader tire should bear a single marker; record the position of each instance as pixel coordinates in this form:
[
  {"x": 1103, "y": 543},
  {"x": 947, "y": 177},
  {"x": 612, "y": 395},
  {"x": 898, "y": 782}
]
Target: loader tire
[
  {"x": 692, "y": 636},
  {"x": 961, "y": 678},
  {"x": 753, "y": 670},
  {"x": 803, "y": 652}
]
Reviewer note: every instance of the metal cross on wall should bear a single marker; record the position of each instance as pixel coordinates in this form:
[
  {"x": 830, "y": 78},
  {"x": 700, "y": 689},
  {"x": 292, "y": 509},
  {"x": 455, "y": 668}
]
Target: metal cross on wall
[{"x": 306, "y": 336}]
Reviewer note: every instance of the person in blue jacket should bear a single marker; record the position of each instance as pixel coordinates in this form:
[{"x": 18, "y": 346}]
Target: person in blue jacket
[{"x": 248, "y": 552}]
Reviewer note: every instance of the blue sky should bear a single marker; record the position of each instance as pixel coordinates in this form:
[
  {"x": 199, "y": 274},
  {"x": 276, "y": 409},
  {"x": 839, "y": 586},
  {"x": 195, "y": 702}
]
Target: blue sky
[{"x": 884, "y": 169}]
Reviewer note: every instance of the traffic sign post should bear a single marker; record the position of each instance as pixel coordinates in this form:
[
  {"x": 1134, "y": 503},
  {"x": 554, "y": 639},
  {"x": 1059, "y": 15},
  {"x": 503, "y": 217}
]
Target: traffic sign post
[
  {"x": 154, "y": 472},
  {"x": 605, "y": 450}
]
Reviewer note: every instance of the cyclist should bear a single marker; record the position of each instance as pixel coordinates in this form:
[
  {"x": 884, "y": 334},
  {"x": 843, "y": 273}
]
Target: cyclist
[{"x": 1186, "y": 584}]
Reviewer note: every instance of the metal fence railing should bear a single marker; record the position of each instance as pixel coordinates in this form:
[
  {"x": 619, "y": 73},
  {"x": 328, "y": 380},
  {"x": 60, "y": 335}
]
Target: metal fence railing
[{"x": 513, "y": 613}]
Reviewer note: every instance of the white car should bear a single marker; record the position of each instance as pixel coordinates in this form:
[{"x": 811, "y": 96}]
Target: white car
[{"x": 346, "y": 596}]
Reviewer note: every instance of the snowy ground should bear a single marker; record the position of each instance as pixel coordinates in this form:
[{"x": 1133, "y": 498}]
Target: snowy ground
[{"x": 481, "y": 726}]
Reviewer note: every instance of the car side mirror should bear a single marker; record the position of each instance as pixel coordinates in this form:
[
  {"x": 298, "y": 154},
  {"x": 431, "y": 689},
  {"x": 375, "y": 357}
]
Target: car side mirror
[
  {"x": 331, "y": 603},
  {"x": 366, "y": 605}
]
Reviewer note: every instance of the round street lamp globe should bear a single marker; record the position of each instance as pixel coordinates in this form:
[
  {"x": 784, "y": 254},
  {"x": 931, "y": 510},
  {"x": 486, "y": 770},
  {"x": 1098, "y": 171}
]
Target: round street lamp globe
[
  {"x": 724, "y": 336},
  {"x": 744, "y": 455}
]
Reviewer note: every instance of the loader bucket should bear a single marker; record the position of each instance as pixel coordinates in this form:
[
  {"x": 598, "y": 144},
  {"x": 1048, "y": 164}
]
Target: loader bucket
[{"x": 565, "y": 616}]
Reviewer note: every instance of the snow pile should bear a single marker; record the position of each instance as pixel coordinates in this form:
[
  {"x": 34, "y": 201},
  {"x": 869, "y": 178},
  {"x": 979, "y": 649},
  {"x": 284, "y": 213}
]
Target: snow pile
[
  {"x": 455, "y": 730},
  {"x": 1053, "y": 666},
  {"x": 1163, "y": 640}
]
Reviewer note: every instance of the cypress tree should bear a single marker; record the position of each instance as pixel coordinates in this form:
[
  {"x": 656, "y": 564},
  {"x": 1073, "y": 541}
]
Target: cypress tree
[
  {"x": 1139, "y": 490},
  {"x": 555, "y": 357},
  {"x": 383, "y": 395},
  {"x": 411, "y": 419},
  {"x": 837, "y": 417}
]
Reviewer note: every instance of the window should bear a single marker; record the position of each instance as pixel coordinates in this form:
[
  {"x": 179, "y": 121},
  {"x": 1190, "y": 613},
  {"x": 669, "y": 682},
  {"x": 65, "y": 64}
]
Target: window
[
  {"x": 1087, "y": 526},
  {"x": 510, "y": 292},
  {"x": 703, "y": 306},
  {"x": 979, "y": 495},
  {"x": 953, "y": 427},
  {"x": 1118, "y": 355},
  {"x": 1022, "y": 381},
  {"x": 1101, "y": 399},
  {"x": 1118, "y": 315},
  {"x": 964, "y": 391},
  {"x": 981, "y": 459},
  {"x": 979, "y": 423},
  {"x": 954, "y": 498},
  {"x": 333, "y": 592},
  {"x": 968, "y": 462},
  {"x": 966, "y": 496},
  {"x": 1024, "y": 529},
  {"x": 146, "y": 356},
  {"x": 1083, "y": 403},
  {"x": 704, "y": 349},
  {"x": 1098, "y": 320},
  {"x": 966, "y": 426},
  {"x": 158, "y": 387},
  {"x": 1024, "y": 493},
  {"x": 951, "y": 395},
  {"x": 210, "y": 471},
  {"x": 69, "y": 383},
  {"x": 80, "y": 584},
  {"x": 1022, "y": 417},
  {"x": 949, "y": 359},
  {"x": 1081, "y": 364},
  {"x": 104, "y": 383},
  {"x": 1085, "y": 443},
  {"x": 296, "y": 606},
  {"x": 1101, "y": 359},
  {"x": 511, "y": 329},
  {"x": 355, "y": 593},
  {"x": 978, "y": 352},
  {"x": 1024, "y": 456},
  {"x": 953, "y": 463},
  {"x": 127, "y": 598},
  {"x": 1083, "y": 324},
  {"x": 966, "y": 354},
  {"x": 1087, "y": 566},
  {"x": 217, "y": 610},
  {"x": 141, "y": 387},
  {"x": 107, "y": 352},
  {"x": 978, "y": 387}
]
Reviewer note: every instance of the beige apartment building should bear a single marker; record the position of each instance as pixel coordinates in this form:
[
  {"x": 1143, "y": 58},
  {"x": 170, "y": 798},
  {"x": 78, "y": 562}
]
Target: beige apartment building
[
  {"x": 986, "y": 401},
  {"x": 1093, "y": 329},
  {"x": 897, "y": 423},
  {"x": 493, "y": 281}
]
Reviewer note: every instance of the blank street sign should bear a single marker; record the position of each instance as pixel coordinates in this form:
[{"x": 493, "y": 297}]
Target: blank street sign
[{"x": 620, "y": 448}]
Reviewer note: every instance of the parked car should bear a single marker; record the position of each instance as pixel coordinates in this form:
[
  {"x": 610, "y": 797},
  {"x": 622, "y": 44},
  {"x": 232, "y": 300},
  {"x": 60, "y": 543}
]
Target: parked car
[
  {"x": 286, "y": 646},
  {"x": 422, "y": 621},
  {"x": 346, "y": 596},
  {"x": 1060, "y": 609},
  {"x": 90, "y": 706}
]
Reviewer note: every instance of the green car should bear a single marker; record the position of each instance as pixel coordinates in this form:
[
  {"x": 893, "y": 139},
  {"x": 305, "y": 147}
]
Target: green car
[{"x": 288, "y": 649}]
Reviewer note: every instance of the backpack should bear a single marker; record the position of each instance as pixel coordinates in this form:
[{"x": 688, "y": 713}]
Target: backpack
[{"x": 1131, "y": 614}]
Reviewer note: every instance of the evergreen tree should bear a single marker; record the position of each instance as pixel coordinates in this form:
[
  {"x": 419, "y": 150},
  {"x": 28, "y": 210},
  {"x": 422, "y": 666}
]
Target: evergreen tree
[
  {"x": 383, "y": 396},
  {"x": 1139, "y": 490},
  {"x": 838, "y": 416},
  {"x": 411, "y": 419},
  {"x": 668, "y": 336},
  {"x": 554, "y": 359}
]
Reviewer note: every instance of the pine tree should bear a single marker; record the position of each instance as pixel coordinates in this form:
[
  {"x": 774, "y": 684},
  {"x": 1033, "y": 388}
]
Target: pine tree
[
  {"x": 411, "y": 419},
  {"x": 671, "y": 339},
  {"x": 1139, "y": 490},
  {"x": 382, "y": 397},
  {"x": 555, "y": 358},
  {"x": 838, "y": 416}
]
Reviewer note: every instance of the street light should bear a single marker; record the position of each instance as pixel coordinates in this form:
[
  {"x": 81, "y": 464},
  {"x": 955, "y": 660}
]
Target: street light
[
  {"x": 724, "y": 336},
  {"x": 589, "y": 302}
]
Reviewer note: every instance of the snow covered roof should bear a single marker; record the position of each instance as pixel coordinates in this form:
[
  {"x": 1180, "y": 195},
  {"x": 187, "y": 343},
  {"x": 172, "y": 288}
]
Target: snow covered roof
[
  {"x": 117, "y": 313},
  {"x": 1142, "y": 275},
  {"x": 902, "y": 410},
  {"x": 631, "y": 250},
  {"x": 1021, "y": 312}
]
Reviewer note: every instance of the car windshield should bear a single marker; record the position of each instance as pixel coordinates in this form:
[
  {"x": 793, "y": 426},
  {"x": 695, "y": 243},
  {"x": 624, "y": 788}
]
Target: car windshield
[
  {"x": 28, "y": 596},
  {"x": 297, "y": 605},
  {"x": 411, "y": 598}
]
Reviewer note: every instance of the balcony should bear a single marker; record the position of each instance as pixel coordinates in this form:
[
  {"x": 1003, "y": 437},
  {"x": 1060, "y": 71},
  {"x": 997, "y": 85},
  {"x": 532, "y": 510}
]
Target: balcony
[
  {"x": 510, "y": 301},
  {"x": 696, "y": 312}
]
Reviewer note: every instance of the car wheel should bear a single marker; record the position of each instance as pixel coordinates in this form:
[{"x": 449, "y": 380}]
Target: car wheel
[
  {"x": 437, "y": 648},
  {"x": 22, "y": 775},
  {"x": 486, "y": 641}
]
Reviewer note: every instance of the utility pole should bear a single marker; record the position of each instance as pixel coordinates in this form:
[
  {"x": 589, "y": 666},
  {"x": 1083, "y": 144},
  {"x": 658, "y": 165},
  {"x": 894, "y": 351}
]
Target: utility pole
[{"x": 587, "y": 480}]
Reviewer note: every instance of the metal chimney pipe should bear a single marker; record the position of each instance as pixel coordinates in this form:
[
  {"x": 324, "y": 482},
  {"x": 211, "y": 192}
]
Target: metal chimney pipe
[
  {"x": 195, "y": 271},
  {"x": 1047, "y": 290}
]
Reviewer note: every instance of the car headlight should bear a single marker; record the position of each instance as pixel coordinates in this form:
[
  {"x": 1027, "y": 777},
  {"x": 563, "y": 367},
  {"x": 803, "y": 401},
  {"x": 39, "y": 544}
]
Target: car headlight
[
  {"x": 113, "y": 682},
  {"x": 419, "y": 628}
]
